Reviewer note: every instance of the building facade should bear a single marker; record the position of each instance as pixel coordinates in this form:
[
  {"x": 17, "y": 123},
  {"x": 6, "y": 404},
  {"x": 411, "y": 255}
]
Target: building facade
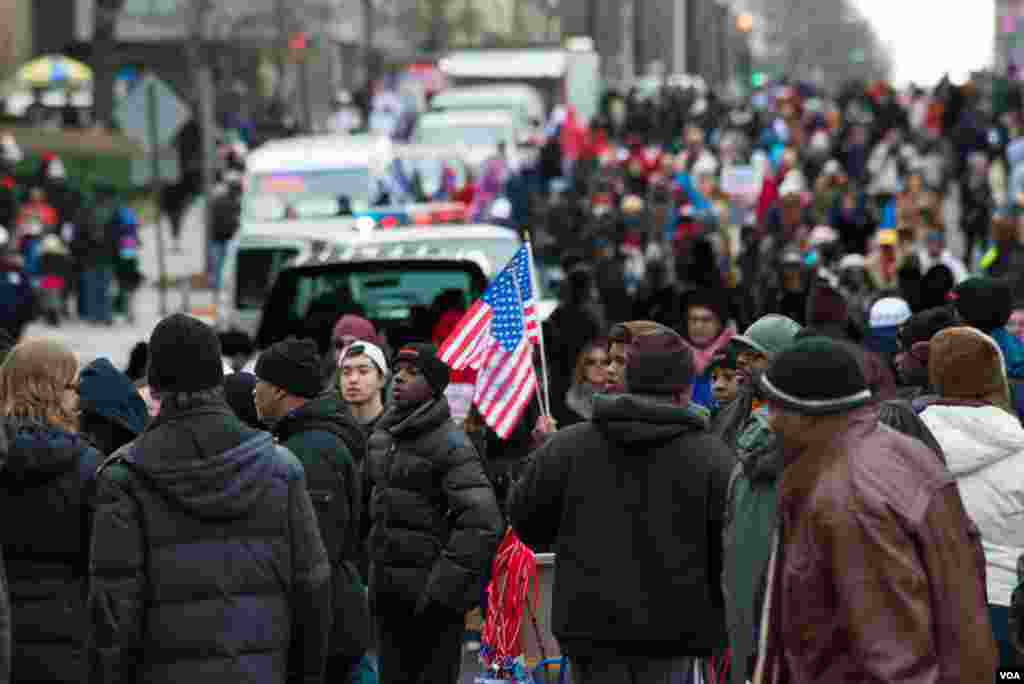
[
  {"x": 16, "y": 34},
  {"x": 638, "y": 37}
]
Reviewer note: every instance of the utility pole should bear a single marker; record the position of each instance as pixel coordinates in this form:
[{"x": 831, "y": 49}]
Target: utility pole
[
  {"x": 281, "y": 19},
  {"x": 681, "y": 37},
  {"x": 153, "y": 126},
  {"x": 369, "y": 28},
  {"x": 105, "y": 15},
  {"x": 199, "y": 57},
  {"x": 628, "y": 48}
]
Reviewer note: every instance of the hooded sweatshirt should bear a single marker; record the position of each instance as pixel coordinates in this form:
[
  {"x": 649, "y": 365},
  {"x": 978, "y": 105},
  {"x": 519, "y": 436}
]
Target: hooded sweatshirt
[
  {"x": 114, "y": 411},
  {"x": 206, "y": 541},
  {"x": 639, "y": 489}
]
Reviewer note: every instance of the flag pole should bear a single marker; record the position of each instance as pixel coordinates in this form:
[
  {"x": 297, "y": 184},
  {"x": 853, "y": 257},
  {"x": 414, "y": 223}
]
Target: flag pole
[
  {"x": 540, "y": 327},
  {"x": 519, "y": 298}
]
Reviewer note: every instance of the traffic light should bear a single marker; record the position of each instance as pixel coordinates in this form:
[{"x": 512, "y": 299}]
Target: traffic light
[
  {"x": 758, "y": 79},
  {"x": 745, "y": 23},
  {"x": 298, "y": 41}
]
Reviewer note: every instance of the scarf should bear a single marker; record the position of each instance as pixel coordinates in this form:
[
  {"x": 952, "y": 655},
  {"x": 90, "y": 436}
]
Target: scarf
[{"x": 703, "y": 357}]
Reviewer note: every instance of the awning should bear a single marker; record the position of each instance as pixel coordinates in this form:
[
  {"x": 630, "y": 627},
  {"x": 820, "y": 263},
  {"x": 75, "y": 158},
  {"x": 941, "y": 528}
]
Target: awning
[{"x": 53, "y": 70}]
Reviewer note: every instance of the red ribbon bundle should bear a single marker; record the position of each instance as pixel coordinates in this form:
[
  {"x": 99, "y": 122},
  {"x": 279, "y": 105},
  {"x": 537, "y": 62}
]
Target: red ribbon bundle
[{"x": 508, "y": 596}]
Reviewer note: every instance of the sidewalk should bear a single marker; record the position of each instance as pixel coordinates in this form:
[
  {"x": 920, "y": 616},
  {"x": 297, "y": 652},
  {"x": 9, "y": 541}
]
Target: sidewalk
[{"x": 115, "y": 343}]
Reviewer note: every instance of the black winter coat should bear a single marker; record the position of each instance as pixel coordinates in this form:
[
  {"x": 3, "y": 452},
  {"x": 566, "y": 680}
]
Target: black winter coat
[
  {"x": 435, "y": 521},
  {"x": 207, "y": 564},
  {"x": 45, "y": 491},
  {"x": 633, "y": 504},
  {"x": 316, "y": 433}
]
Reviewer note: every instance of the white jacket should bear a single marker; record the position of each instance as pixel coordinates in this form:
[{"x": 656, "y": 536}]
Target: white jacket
[{"x": 984, "y": 447}]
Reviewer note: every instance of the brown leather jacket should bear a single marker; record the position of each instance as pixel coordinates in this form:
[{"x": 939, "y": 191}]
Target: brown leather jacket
[{"x": 879, "y": 573}]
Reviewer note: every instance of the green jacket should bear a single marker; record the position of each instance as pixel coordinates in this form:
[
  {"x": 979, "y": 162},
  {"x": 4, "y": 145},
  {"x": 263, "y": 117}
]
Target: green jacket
[
  {"x": 749, "y": 525},
  {"x": 317, "y": 434}
]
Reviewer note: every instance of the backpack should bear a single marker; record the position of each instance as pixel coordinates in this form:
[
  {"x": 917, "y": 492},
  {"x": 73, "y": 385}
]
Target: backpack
[{"x": 351, "y": 632}]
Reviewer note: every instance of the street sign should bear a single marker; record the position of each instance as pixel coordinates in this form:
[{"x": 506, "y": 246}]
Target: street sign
[
  {"x": 134, "y": 118},
  {"x": 153, "y": 114}
]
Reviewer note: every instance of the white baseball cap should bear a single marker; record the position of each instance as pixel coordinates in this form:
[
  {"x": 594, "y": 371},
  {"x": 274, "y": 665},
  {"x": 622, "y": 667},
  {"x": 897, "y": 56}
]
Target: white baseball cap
[{"x": 368, "y": 349}]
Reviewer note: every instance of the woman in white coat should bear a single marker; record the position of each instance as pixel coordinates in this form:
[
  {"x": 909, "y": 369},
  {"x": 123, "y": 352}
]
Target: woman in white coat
[{"x": 983, "y": 441}]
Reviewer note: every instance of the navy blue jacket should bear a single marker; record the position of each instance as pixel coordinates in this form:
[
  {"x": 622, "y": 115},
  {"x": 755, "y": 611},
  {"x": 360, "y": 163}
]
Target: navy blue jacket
[
  {"x": 207, "y": 564},
  {"x": 45, "y": 490}
]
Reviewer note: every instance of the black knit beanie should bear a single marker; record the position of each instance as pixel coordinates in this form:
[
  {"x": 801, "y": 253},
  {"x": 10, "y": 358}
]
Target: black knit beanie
[
  {"x": 709, "y": 299},
  {"x": 984, "y": 303},
  {"x": 660, "y": 364},
  {"x": 184, "y": 356},
  {"x": 816, "y": 376},
  {"x": 238, "y": 388},
  {"x": 925, "y": 325},
  {"x": 294, "y": 366},
  {"x": 936, "y": 285},
  {"x": 424, "y": 357}
]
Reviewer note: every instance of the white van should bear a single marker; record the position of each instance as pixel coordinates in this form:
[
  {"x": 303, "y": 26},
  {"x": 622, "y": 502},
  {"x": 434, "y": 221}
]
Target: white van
[
  {"x": 298, "y": 193},
  {"x": 313, "y": 176}
]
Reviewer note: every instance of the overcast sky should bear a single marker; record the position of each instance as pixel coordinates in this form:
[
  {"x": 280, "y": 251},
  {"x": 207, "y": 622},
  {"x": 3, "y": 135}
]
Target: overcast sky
[{"x": 930, "y": 37}]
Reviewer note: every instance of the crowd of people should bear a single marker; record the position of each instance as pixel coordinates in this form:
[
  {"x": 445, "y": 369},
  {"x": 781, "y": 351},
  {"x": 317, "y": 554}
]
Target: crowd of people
[
  {"x": 66, "y": 251},
  {"x": 783, "y": 445}
]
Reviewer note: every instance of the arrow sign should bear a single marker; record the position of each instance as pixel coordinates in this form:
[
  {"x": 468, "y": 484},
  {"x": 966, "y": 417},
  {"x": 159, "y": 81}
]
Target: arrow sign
[{"x": 134, "y": 118}]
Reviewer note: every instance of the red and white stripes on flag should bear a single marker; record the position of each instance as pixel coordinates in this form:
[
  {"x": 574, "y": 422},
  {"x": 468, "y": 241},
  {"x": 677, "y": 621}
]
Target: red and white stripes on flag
[{"x": 496, "y": 337}]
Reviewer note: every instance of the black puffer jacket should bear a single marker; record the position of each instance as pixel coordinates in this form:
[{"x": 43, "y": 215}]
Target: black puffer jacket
[
  {"x": 435, "y": 521},
  {"x": 207, "y": 564},
  {"x": 45, "y": 488}
]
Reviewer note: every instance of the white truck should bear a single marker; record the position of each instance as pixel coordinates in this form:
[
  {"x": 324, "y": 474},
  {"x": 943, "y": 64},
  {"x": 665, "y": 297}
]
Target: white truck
[{"x": 569, "y": 75}]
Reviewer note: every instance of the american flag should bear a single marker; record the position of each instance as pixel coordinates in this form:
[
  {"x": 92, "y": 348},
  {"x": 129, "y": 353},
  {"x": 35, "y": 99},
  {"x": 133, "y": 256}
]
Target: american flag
[{"x": 496, "y": 338}]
